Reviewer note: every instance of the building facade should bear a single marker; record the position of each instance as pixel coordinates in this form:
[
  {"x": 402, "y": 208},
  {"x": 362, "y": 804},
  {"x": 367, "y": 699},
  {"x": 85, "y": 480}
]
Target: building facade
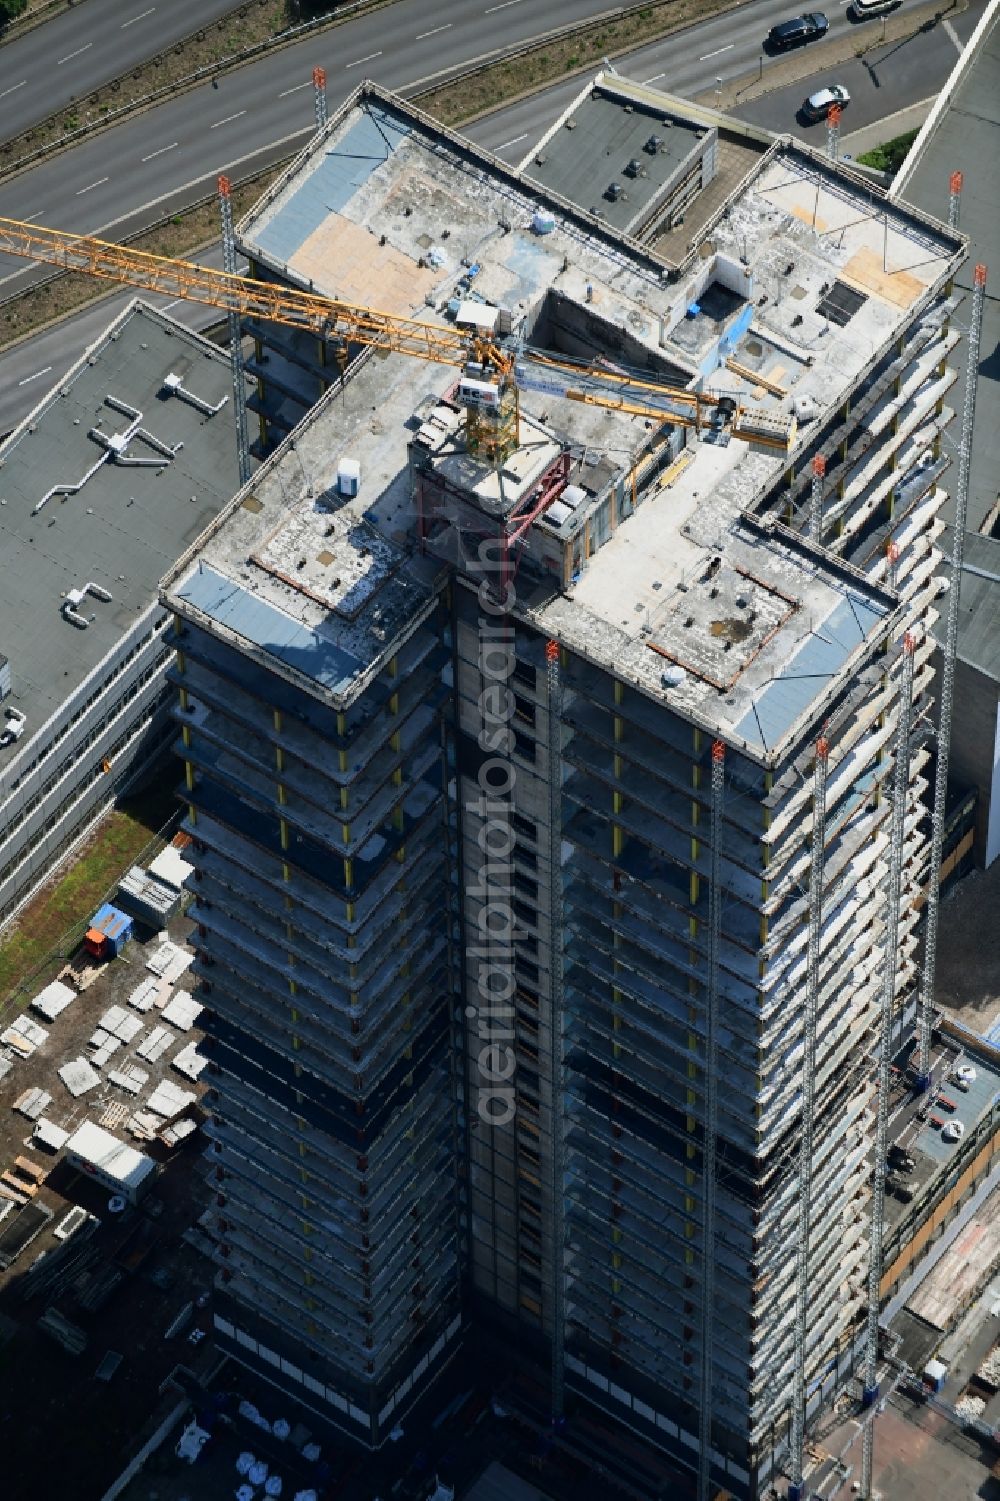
[{"x": 500, "y": 719}]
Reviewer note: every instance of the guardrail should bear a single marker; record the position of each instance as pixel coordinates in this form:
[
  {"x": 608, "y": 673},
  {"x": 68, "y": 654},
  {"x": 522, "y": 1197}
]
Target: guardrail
[
  {"x": 191, "y": 80},
  {"x": 129, "y": 239}
]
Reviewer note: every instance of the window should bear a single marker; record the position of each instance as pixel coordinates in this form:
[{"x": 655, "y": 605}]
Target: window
[{"x": 524, "y": 826}]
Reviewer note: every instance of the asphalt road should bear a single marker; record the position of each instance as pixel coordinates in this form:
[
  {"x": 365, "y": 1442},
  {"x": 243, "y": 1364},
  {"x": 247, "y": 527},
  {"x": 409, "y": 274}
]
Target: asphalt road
[
  {"x": 888, "y": 80},
  {"x": 127, "y": 176},
  {"x": 27, "y": 369},
  {"x": 73, "y": 54}
]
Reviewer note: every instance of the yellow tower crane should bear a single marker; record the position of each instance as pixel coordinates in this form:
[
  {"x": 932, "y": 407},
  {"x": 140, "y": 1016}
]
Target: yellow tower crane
[{"x": 492, "y": 372}]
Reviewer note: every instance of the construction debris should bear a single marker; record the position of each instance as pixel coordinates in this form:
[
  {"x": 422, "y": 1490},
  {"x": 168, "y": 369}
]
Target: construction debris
[
  {"x": 24, "y": 1036},
  {"x": 79, "y": 1077},
  {"x": 53, "y": 1000},
  {"x": 32, "y": 1103},
  {"x": 168, "y": 1100},
  {"x": 182, "y": 1012},
  {"x": 189, "y": 1061}
]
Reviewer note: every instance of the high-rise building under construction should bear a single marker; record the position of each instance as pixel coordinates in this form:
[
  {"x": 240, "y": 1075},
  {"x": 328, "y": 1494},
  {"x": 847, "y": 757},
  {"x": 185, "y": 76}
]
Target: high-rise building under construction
[{"x": 542, "y": 725}]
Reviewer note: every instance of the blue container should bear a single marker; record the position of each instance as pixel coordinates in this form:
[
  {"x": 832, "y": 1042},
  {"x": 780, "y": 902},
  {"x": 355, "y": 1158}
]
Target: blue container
[{"x": 115, "y": 927}]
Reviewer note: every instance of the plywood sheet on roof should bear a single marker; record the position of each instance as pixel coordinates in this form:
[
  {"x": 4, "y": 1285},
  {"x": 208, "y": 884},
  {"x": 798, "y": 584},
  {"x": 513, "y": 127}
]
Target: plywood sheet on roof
[
  {"x": 948, "y": 1287},
  {"x": 865, "y": 269},
  {"x": 378, "y": 276}
]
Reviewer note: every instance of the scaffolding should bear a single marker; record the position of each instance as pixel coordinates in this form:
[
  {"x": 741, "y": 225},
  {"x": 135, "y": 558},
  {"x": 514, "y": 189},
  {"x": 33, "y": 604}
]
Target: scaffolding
[
  {"x": 711, "y": 1126},
  {"x": 926, "y": 997},
  {"x": 554, "y": 685},
  {"x": 235, "y": 334},
  {"x": 900, "y": 783},
  {"x": 816, "y": 499},
  {"x": 808, "y": 1084},
  {"x": 319, "y": 96}
]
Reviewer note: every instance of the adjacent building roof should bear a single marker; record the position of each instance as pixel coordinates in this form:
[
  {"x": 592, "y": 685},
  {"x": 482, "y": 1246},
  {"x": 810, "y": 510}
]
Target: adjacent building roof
[
  {"x": 105, "y": 484},
  {"x": 963, "y": 134}
]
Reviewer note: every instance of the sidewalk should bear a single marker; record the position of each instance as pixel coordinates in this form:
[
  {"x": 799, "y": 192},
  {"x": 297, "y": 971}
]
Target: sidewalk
[{"x": 881, "y": 131}]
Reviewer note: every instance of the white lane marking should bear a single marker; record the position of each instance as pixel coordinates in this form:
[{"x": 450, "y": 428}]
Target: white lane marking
[
  {"x": 165, "y": 305},
  {"x": 171, "y": 194},
  {"x": 96, "y": 184},
  {"x": 29, "y": 378},
  {"x": 285, "y": 92},
  {"x": 949, "y": 28},
  {"x": 70, "y": 55},
  {"x": 505, "y": 6},
  {"x": 162, "y": 149},
  {"x": 141, "y": 17},
  {"x": 434, "y": 32},
  {"x": 27, "y": 218},
  {"x": 359, "y": 60},
  {"x": 226, "y": 121},
  {"x": 656, "y": 78},
  {"x": 511, "y": 143},
  {"x": 14, "y": 88},
  {"x": 727, "y": 48}
]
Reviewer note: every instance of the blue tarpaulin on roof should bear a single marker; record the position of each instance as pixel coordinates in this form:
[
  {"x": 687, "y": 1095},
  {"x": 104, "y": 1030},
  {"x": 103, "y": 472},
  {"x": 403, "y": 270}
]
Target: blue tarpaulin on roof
[
  {"x": 295, "y": 644},
  {"x": 331, "y": 184},
  {"x": 823, "y": 652}
]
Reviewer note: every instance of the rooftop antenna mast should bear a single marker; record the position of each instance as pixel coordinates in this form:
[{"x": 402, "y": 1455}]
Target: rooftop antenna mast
[{"x": 925, "y": 1010}]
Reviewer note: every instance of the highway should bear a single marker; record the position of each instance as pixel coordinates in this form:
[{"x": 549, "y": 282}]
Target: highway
[
  {"x": 126, "y": 176},
  {"x": 74, "y": 53},
  {"x": 42, "y": 194}
]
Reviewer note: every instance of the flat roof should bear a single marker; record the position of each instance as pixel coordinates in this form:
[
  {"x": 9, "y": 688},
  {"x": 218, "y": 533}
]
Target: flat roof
[
  {"x": 388, "y": 209},
  {"x": 963, "y": 134},
  {"x": 595, "y": 142},
  {"x": 117, "y": 521},
  {"x": 615, "y": 122}
]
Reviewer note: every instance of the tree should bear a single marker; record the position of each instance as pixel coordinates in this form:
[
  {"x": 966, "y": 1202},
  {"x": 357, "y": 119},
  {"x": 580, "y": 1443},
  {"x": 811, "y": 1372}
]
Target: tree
[{"x": 11, "y": 8}]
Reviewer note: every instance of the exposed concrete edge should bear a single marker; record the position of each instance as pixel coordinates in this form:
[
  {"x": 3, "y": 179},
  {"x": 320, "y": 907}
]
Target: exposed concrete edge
[{"x": 944, "y": 100}]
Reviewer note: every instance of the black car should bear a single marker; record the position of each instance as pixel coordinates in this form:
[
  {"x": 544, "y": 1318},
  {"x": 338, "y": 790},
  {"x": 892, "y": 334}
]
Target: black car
[{"x": 800, "y": 29}]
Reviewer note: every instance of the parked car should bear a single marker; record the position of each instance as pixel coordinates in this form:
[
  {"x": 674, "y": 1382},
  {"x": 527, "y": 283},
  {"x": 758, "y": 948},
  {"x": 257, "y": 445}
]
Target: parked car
[
  {"x": 817, "y": 106},
  {"x": 860, "y": 10},
  {"x": 799, "y": 29},
  {"x": 952, "y": 1131}
]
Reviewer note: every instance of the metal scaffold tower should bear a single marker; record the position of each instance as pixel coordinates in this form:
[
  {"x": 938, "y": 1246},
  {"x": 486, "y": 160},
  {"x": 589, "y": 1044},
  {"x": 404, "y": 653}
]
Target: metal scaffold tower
[
  {"x": 900, "y": 784},
  {"x": 816, "y": 499},
  {"x": 925, "y": 1012},
  {"x": 954, "y": 199},
  {"x": 797, "y": 1430},
  {"x": 557, "y": 1153},
  {"x": 319, "y": 96},
  {"x": 235, "y": 340},
  {"x": 711, "y": 1079},
  {"x": 833, "y": 132}
]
